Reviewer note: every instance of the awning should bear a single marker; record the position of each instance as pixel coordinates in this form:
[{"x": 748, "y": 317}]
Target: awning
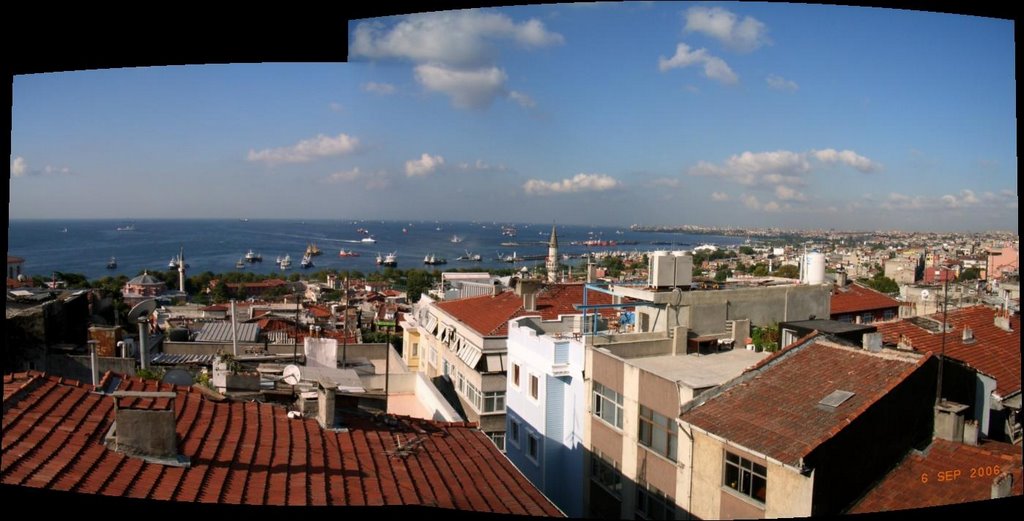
[{"x": 495, "y": 363}]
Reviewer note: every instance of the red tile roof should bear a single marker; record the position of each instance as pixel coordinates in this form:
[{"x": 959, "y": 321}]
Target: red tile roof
[
  {"x": 253, "y": 454},
  {"x": 854, "y": 298},
  {"x": 319, "y": 311},
  {"x": 775, "y": 411},
  {"x": 904, "y": 488},
  {"x": 489, "y": 315},
  {"x": 994, "y": 351}
]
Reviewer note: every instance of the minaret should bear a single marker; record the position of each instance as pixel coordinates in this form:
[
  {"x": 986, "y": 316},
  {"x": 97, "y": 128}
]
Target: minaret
[
  {"x": 552, "y": 261},
  {"x": 181, "y": 270}
]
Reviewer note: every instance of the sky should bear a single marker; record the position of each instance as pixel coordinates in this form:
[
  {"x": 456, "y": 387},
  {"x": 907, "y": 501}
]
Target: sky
[{"x": 715, "y": 114}]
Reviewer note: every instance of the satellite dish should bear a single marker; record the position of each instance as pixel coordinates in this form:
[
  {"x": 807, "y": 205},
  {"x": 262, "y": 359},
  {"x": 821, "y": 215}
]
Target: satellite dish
[
  {"x": 142, "y": 308},
  {"x": 924, "y": 294},
  {"x": 292, "y": 374}
]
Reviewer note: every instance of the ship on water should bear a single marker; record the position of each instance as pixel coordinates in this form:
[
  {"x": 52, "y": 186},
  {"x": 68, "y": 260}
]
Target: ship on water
[{"x": 312, "y": 250}]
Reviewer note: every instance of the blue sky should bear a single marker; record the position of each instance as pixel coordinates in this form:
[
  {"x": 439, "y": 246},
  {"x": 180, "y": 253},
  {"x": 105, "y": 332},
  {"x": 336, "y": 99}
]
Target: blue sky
[{"x": 667, "y": 113}]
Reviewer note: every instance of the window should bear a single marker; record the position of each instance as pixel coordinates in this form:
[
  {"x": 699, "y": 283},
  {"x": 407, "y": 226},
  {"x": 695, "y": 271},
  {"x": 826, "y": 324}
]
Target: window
[
  {"x": 499, "y": 439},
  {"x": 415, "y": 350},
  {"x": 532, "y": 446},
  {"x": 889, "y": 314},
  {"x": 606, "y": 474},
  {"x": 515, "y": 375},
  {"x": 608, "y": 405},
  {"x": 658, "y": 433},
  {"x": 473, "y": 395},
  {"x": 534, "y": 387},
  {"x": 494, "y": 401},
  {"x": 651, "y": 503},
  {"x": 432, "y": 357},
  {"x": 514, "y": 432},
  {"x": 867, "y": 318},
  {"x": 745, "y": 476}
]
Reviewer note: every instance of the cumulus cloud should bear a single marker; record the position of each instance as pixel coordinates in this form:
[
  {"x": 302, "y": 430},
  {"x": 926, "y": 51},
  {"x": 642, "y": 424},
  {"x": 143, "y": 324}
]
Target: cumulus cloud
[
  {"x": 522, "y": 99},
  {"x": 964, "y": 199},
  {"x": 780, "y": 167},
  {"x": 719, "y": 196},
  {"x": 19, "y": 167},
  {"x": 578, "y": 183},
  {"x": 779, "y": 83},
  {"x": 740, "y": 35},
  {"x": 467, "y": 88},
  {"x": 307, "y": 150},
  {"x": 750, "y": 201},
  {"x": 848, "y": 158},
  {"x": 457, "y": 38},
  {"x": 714, "y": 67},
  {"x": 785, "y": 193},
  {"x": 423, "y": 166}
]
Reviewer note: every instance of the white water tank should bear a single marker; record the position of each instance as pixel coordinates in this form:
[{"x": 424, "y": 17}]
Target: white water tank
[{"x": 814, "y": 268}]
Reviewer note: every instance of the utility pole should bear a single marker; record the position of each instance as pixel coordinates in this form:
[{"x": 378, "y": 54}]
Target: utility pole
[{"x": 942, "y": 355}]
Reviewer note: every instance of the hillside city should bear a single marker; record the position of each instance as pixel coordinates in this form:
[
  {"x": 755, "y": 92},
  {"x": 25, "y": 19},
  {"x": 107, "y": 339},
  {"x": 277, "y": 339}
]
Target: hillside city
[{"x": 709, "y": 383}]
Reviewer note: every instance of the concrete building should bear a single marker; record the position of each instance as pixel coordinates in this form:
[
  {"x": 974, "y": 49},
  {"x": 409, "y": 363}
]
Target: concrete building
[
  {"x": 901, "y": 270},
  {"x": 797, "y": 435},
  {"x": 1002, "y": 260},
  {"x": 858, "y": 304},
  {"x": 462, "y": 344}
]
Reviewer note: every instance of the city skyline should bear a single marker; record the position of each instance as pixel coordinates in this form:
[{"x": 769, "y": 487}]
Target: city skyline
[{"x": 716, "y": 114}]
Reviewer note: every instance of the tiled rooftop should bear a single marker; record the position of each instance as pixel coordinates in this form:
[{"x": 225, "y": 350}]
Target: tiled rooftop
[
  {"x": 775, "y": 411},
  {"x": 994, "y": 351},
  {"x": 854, "y": 298},
  {"x": 904, "y": 488},
  {"x": 253, "y": 454},
  {"x": 489, "y": 315}
]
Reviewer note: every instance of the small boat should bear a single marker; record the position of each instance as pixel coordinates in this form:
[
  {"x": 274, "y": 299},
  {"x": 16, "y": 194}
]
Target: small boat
[
  {"x": 127, "y": 228},
  {"x": 455, "y": 239},
  {"x": 469, "y": 257},
  {"x": 286, "y": 262},
  {"x": 65, "y": 230},
  {"x": 112, "y": 263},
  {"x": 369, "y": 240},
  {"x": 405, "y": 230},
  {"x": 240, "y": 264},
  {"x": 434, "y": 260},
  {"x": 307, "y": 262},
  {"x": 348, "y": 253},
  {"x": 173, "y": 265},
  {"x": 253, "y": 257},
  {"x": 312, "y": 250},
  {"x": 510, "y": 243}
]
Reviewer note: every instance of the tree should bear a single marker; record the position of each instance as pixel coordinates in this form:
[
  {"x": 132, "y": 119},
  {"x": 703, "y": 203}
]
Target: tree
[
  {"x": 746, "y": 250},
  {"x": 882, "y": 284},
  {"x": 788, "y": 271},
  {"x": 417, "y": 282},
  {"x": 970, "y": 274},
  {"x": 221, "y": 292},
  {"x": 760, "y": 270},
  {"x": 722, "y": 274}
]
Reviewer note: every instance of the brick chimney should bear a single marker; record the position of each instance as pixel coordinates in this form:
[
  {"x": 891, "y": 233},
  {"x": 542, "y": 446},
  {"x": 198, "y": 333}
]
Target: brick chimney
[
  {"x": 528, "y": 289},
  {"x": 1002, "y": 321}
]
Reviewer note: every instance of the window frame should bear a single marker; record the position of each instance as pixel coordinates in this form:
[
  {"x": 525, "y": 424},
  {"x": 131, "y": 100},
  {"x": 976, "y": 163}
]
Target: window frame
[
  {"x": 533, "y": 441},
  {"x": 494, "y": 437},
  {"x": 600, "y": 396},
  {"x": 647, "y": 497},
  {"x": 747, "y": 473},
  {"x": 494, "y": 397},
  {"x": 658, "y": 433},
  {"x": 605, "y": 473},
  {"x": 534, "y": 387},
  {"x": 513, "y": 432},
  {"x": 516, "y": 368}
]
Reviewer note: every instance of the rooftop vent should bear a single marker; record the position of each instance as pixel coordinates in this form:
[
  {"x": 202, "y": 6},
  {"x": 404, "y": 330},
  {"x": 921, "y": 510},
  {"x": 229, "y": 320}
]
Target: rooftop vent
[
  {"x": 836, "y": 398},
  {"x": 968, "y": 336},
  {"x": 144, "y": 427}
]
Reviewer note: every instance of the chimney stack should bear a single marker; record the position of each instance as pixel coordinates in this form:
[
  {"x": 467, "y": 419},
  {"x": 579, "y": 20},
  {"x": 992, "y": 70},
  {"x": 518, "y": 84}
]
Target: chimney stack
[
  {"x": 968, "y": 335},
  {"x": 1002, "y": 485},
  {"x": 528, "y": 290},
  {"x": 1002, "y": 321},
  {"x": 872, "y": 342},
  {"x": 146, "y": 431}
]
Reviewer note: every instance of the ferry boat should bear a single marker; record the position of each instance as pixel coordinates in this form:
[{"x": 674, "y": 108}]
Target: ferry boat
[
  {"x": 253, "y": 257},
  {"x": 126, "y": 228},
  {"x": 389, "y": 260},
  {"x": 369, "y": 240},
  {"x": 112, "y": 263},
  {"x": 307, "y": 262},
  {"x": 348, "y": 253},
  {"x": 469, "y": 257},
  {"x": 286, "y": 262}
]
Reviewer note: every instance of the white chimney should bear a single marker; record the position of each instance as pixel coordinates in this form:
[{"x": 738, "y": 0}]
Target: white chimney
[{"x": 968, "y": 335}]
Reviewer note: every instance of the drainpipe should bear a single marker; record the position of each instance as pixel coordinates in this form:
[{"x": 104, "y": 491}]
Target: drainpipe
[
  {"x": 142, "y": 342},
  {"x": 94, "y": 361},
  {"x": 234, "y": 331}
]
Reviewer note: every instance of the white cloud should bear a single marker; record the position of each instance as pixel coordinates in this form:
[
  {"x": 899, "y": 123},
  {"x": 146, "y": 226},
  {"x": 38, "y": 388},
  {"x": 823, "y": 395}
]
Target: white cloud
[
  {"x": 780, "y": 167},
  {"x": 750, "y": 201},
  {"x": 719, "y": 196},
  {"x": 578, "y": 183},
  {"x": 19, "y": 167},
  {"x": 522, "y": 99},
  {"x": 423, "y": 166},
  {"x": 846, "y": 157},
  {"x": 336, "y": 107},
  {"x": 345, "y": 176},
  {"x": 379, "y": 88},
  {"x": 457, "y": 38},
  {"x": 785, "y": 193},
  {"x": 307, "y": 150},
  {"x": 779, "y": 83},
  {"x": 740, "y": 35},
  {"x": 467, "y": 88},
  {"x": 714, "y": 67},
  {"x": 481, "y": 166},
  {"x": 771, "y": 206}
]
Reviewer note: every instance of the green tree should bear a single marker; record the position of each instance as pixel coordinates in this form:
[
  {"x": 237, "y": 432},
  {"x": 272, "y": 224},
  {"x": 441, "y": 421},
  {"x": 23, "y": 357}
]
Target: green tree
[
  {"x": 722, "y": 274},
  {"x": 221, "y": 292},
  {"x": 970, "y": 274},
  {"x": 746, "y": 250},
  {"x": 417, "y": 283},
  {"x": 882, "y": 284},
  {"x": 760, "y": 270},
  {"x": 788, "y": 271}
]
